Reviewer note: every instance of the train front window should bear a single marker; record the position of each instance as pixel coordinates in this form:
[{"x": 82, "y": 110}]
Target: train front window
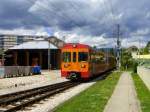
[
  {"x": 83, "y": 56},
  {"x": 67, "y": 57}
]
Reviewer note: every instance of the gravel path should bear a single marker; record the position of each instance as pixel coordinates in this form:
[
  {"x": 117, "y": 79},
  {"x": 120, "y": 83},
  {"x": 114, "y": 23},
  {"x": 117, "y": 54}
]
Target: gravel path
[
  {"x": 144, "y": 74},
  {"x": 124, "y": 98}
]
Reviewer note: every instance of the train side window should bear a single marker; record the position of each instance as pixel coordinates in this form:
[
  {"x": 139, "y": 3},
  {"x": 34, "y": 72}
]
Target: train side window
[
  {"x": 83, "y": 56},
  {"x": 93, "y": 59},
  {"x": 96, "y": 58},
  {"x": 74, "y": 56},
  {"x": 66, "y": 56}
]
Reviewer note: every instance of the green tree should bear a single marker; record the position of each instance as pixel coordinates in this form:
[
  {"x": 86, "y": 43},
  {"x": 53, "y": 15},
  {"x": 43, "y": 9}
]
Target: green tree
[
  {"x": 145, "y": 50},
  {"x": 148, "y": 45},
  {"x": 126, "y": 59},
  {"x": 127, "y": 62},
  {"x": 1, "y": 51}
]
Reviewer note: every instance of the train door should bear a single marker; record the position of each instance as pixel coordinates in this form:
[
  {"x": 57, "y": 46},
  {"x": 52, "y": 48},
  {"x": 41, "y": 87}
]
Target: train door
[{"x": 75, "y": 66}]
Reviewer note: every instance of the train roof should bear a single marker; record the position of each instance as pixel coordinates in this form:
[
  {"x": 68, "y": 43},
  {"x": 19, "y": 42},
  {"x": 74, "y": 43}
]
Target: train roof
[
  {"x": 78, "y": 45},
  {"x": 75, "y": 45}
]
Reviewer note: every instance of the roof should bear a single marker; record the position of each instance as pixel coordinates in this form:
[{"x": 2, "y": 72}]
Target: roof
[
  {"x": 34, "y": 45},
  {"x": 71, "y": 46}
]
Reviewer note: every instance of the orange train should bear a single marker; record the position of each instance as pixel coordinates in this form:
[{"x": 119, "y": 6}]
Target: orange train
[{"x": 80, "y": 61}]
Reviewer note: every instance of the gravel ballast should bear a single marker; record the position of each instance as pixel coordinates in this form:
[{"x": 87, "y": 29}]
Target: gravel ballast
[{"x": 52, "y": 102}]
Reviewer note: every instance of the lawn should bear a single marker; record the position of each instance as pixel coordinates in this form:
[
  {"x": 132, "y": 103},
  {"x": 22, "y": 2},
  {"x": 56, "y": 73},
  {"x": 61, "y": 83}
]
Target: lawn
[
  {"x": 142, "y": 92},
  {"x": 92, "y": 99}
]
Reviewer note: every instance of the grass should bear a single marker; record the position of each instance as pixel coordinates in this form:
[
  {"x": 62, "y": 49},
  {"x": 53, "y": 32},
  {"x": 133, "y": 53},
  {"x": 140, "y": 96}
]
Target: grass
[
  {"x": 92, "y": 99},
  {"x": 142, "y": 92}
]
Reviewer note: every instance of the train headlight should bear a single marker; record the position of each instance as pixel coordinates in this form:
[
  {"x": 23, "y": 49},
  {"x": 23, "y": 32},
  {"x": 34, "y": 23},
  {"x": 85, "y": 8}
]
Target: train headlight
[
  {"x": 74, "y": 45},
  {"x": 65, "y": 65},
  {"x": 83, "y": 66}
]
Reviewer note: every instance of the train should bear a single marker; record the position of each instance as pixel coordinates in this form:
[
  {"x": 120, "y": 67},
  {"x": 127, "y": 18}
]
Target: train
[{"x": 80, "y": 61}]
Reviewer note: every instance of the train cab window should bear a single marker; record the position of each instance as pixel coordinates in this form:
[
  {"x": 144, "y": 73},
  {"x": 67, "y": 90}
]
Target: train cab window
[
  {"x": 83, "y": 56},
  {"x": 66, "y": 56},
  {"x": 74, "y": 56}
]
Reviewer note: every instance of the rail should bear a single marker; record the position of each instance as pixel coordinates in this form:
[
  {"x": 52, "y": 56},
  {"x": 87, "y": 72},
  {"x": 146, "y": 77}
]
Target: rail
[{"x": 16, "y": 101}]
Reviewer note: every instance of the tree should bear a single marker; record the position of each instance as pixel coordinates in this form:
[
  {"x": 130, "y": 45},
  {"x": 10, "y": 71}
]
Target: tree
[
  {"x": 126, "y": 59},
  {"x": 148, "y": 45},
  {"x": 1, "y": 51},
  {"x": 145, "y": 50}
]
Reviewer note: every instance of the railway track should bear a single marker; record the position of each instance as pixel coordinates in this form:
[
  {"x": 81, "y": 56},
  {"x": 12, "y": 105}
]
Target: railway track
[{"x": 16, "y": 101}]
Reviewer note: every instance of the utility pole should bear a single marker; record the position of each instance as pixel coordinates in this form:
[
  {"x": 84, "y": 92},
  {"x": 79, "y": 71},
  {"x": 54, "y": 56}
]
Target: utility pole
[
  {"x": 3, "y": 56},
  {"x": 118, "y": 47},
  {"x": 49, "y": 56}
]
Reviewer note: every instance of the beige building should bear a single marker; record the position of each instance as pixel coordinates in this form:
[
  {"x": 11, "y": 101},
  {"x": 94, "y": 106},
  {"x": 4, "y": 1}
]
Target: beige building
[{"x": 135, "y": 55}]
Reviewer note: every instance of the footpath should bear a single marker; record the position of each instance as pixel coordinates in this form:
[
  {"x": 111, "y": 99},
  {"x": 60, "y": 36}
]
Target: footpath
[{"x": 124, "y": 98}]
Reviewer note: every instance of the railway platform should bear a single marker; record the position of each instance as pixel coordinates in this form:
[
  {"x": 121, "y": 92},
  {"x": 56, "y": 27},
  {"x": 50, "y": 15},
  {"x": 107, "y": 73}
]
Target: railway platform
[
  {"x": 8, "y": 85},
  {"x": 124, "y": 97}
]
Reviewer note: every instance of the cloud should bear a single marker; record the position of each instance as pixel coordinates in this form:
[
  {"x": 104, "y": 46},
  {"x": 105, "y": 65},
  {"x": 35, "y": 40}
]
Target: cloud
[
  {"x": 91, "y": 21},
  {"x": 99, "y": 41},
  {"x": 21, "y": 31}
]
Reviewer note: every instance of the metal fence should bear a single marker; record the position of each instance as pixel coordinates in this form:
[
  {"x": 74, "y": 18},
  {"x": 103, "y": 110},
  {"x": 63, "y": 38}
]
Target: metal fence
[{"x": 15, "y": 71}]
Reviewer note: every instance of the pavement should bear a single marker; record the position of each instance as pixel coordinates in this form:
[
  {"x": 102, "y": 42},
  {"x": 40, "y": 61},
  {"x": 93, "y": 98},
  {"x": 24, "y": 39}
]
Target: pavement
[
  {"x": 9, "y": 85},
  {"x": 144, "y": 74},
  {"x": 46, "y": 76},
  {"x": 124, "y": 97}
]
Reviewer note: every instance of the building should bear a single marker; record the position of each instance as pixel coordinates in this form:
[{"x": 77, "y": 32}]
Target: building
[
  {"x": 34, "y": 52},
  {"x": 7, "y": 41},
  {"x": 137, "y": 56}
]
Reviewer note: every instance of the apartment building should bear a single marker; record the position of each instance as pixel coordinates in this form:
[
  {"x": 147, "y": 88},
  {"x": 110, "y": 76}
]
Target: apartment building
[{"x": 7, "y": 41}]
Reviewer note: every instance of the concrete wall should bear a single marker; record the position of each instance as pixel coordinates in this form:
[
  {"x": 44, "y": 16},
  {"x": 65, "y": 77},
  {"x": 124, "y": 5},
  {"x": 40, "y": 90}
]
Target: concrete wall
[{"x": 144, "y": 74}]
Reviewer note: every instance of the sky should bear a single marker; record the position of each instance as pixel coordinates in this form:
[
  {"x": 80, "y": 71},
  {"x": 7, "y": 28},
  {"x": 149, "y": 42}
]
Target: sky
[{"x": 92, "y": 22}]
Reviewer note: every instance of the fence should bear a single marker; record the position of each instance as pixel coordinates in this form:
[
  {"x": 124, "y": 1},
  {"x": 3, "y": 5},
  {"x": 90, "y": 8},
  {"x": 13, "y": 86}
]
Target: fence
[{"x": 15, "y": 71}]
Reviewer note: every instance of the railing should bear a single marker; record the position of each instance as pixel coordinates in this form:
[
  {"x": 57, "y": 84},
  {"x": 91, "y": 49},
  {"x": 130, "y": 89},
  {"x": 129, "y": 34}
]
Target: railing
[{"x": 15, "y": 71}]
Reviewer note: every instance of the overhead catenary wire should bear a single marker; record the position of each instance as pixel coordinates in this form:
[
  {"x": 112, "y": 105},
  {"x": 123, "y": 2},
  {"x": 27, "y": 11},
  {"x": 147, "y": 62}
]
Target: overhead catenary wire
[
  {"x": 65, "y": 17},
  {"x": 118, "y": 32},
  {"x": 108, "y": 8}
]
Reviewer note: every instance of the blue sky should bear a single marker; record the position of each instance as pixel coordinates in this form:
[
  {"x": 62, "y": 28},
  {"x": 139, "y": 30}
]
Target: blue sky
[{"x": 91, "y": 22}]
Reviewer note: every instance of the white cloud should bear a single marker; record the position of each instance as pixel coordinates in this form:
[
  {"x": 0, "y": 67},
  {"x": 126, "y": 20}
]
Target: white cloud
[
  {"x": 133, "y": 42},
  {"x": 88, "y": 22},
  {"x": 21, "y": 31},
  {"x": 99, "y": 41}
]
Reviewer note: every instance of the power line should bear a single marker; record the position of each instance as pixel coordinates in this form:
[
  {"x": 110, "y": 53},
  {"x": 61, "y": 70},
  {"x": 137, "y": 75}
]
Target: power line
[
  {"x": 109, "y": 8},
  {"x": 64, "y": 16}
]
